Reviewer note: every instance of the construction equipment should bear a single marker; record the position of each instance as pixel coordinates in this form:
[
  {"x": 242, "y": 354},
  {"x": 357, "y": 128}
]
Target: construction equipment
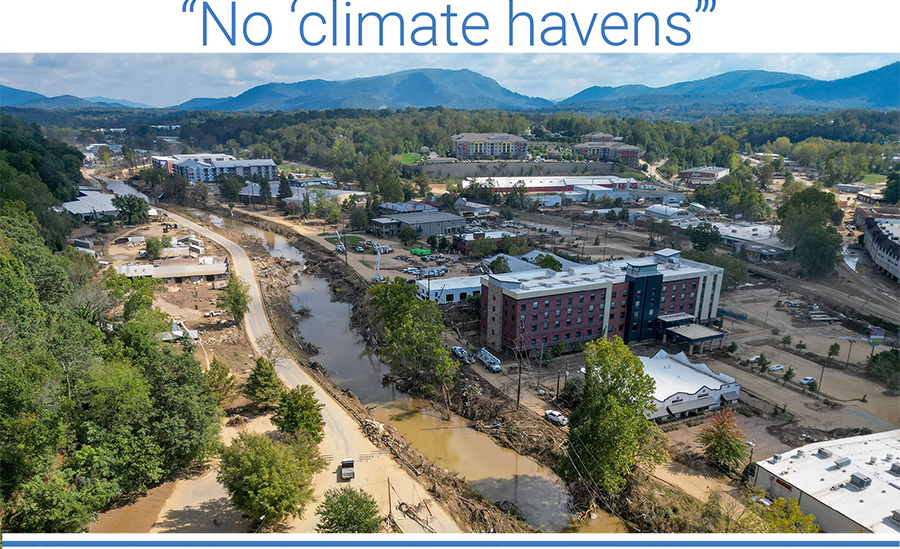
[{"x": 377, "y": 277}]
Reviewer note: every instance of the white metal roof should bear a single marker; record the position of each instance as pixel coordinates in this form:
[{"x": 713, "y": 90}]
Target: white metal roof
[
  {"x": 676, "y": 374},
  {"x": 817, "y": 476},
  {"x": 452, "y": 284},
  {"x": 90, "y": 202}
]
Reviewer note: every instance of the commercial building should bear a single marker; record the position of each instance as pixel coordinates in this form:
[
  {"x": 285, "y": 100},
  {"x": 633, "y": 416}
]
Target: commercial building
[
  {"x": 625, "y": 298},
  {"x": 708, "y": 175},
  {"x": 405, "y": 207},
  {"x": 463, "y": 242},
  {"x": 91, "y": 204},
  {"x": 557, "y": 184},
  {"x": 850, "y": 485},
  {"x": 609, "y": 152},
  {"x": 448, "y": 290},
  {"x": 424, "y": 223},
  {"x": 755, "y": 241},
  {"x": 191, "y": 269},
  {"x": 471, "y": 209},
  {"x": 882, "y": 242},
  {"x": 660, "y": 211},
  {"x": 470, "y": 146},
  {"x": 168, "y": 162},
  {"x": 685, "y": 389},
  {"x": 207, "y": 167}
]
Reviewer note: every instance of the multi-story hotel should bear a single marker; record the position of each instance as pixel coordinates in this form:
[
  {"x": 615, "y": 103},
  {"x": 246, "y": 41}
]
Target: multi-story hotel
[
  {"x": 635, "y": 299},
  {"x": 604, "y": 146},
  {"x": 468, "y": 146},
  {"x": 208, "y": 167}
]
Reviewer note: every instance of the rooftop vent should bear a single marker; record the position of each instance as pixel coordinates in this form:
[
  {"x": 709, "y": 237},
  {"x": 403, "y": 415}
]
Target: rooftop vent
[
  {"x": 825, "y": 452},
  {"x": 895, "y": 468},
  {"x": 895, "y": 516},
  {"x": 776, "y": 458},
  {"x": 842, "y": 462},
  {"x": 860, "y": 480}
]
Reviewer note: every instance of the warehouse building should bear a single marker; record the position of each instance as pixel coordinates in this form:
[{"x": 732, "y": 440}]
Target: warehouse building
[
  {"x": 424, "y": 223},
  {"x": 448, "y": 290},
  {"x": 850, "y": 485}
]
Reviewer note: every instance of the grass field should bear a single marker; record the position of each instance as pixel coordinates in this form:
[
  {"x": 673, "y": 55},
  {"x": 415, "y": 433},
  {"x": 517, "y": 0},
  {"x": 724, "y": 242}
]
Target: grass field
[
  {"x": 634, "y": 175},
  {"x": 870, "y": 178},
  {"x": 409, "y": 158},
  {"x": 349, "y": 240}
]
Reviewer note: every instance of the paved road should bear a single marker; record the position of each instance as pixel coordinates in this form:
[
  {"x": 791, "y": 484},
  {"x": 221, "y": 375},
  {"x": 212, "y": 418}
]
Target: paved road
[{"x": 343, "y": 437}]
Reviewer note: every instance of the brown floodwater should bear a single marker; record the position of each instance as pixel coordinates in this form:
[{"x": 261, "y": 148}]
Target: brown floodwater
[{"x": 497, "y": 473}]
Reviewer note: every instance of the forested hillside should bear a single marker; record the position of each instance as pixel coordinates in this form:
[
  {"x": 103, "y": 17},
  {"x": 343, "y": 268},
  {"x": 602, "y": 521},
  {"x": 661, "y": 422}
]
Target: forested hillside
[
  {"x": 39, "y": 172},
  {"x": 93, "y": 406}
]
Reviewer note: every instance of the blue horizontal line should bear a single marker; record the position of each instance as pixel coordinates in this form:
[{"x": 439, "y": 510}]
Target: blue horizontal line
[{"x": 445, "y": 543}]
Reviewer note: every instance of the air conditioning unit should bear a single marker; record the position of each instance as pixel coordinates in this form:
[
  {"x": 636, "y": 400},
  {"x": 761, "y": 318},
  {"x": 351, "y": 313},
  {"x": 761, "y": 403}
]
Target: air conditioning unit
[
  {"x": 895, "y": 468},
  {"x": 860, "y": 480},
  {"x": 895, "y": 516},
  {"x": 842, "y": 462},
  {"x": 776, "y": 458},
  {"x": 825, "y": 452}
]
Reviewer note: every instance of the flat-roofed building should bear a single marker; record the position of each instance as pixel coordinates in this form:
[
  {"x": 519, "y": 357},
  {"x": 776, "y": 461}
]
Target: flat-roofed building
[
  {"x": 448, "y": 290},
  {"x": 684, "y": 388},
  {"x": 706, "y": 175},
  {"x": 882, "y": 242},
  {"x": 91, "y": 204},
  {"x": 850, "y": 485},
  {"x": 584, "y": 302},
  {"x": 424, "y": 223},
  {"x": 470, "y": 146},
  {"x": 609, "y": 152}
]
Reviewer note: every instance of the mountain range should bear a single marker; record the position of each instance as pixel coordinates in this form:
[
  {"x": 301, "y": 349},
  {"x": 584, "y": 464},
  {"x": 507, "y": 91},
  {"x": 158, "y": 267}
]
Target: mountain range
[{"x": 465, "y": 89}]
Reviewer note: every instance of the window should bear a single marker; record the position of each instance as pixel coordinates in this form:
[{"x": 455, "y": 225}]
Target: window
[
  {"x": 590, "y": 319},
  {"x": 449, "y": 298},
  {"x": 681, "y": 307},
  {"x": 556, "y": 324},
  {"x": 590, "y": 332},
  {"x": 662, "y": 299},
  {"x": 578, "y": 334},
  {"x": 634, "y": 326},
  {"x": 547, "y": 303},
  {"x": 592, "y": 297},
  {"x": 612, "y": 316},
  {"x": 624, "y": 293},
  {"x": 558, "y": 313},
  {"x": 570, "y": 301},
  {"x": 590, "y": 308},
  {"x": 533, "y": 342},
  {"x": 624, "y": 302},
  {"x": 523, "y": 306},
  {"x": 568, "y": 335},
  {"x": 546, "y": 314},
  {"x": 556, "y": 337},
  {"x": 568, "y": 322},
  {"x": 622, "y": 314},
  {"x": 558, "y": 302},
  {"x": 614, "y": 295},
  {"x": 546, "y": 325},
  {"x": 493, "y": 308},
  {"x": 637, "y": 304},
  {"x": 682, "y": 296},
  {"x": 684, "y": 286},
  {"x": 569, "y": 311},
  {"x": 534, "y": 327},
  {"x": 522, "y": 318},
  {"x": 534, "y": 305},
  {"x": 692, "y": 295},
  {"x": 664, "y": 289},
  {"x": 612, "y": 305},
  {"x": 578, "y": 321},
  {"x": 534, "y": 316},
  {"x": 609, "y": 329},
  {"x": 544, "y": 339},
  {"x": 580, "y": 310},
  {"x": 638, "y": 292},
  {"x": 693, "y": 285},
  {"x": 581, "y": 299}
]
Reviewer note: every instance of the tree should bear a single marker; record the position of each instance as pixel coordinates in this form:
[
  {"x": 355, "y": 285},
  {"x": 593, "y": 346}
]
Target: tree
[
  {"x": 359, "y": 219},
  {"x": 704, "y": 236},
  {"x": 433, "y": 242},
  {"x": 132, "y": 208},
  {"x": 265, "y": 478},
  {"x": 804, "y": 224},
  {"x": 223, "y": 385},
  {"x": 609, "y": 433},
  {"x": 153, "y": 248},
  {"x": 348, "y": 511},
  {"x": 407, "y": 235},
  {"x": 484, "y": 247},
  {"x": 199, "y": 194},
  {"x": 735, "y": 269},
  {"x": 834, "y": 350},
  {"x": 892, "y": 189},
  {"x": 236, "y": 298},
  {"x": 787, "y": 340},
  {"x": 230, "y": 187},
  {"x": 784, "y": 516},
  {"x": 284, "y": 188},
  {"x": 788, "y": 375},
  {"x": 547, "y": 261},
  {"x": 763, "y": 363},
  {"x": 886, "y": 367},
  {"x": 265, "y": 193},
  {"x": 300, "y": 411},
  {"x": 263, "y": 387},
  {"x": 499, "y": 265},
  {"x": 723, "y": 441}
]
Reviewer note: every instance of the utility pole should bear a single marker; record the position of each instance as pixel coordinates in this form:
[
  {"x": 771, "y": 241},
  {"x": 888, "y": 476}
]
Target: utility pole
[
  {"x": 848, "y": 353},
  {"x": 558, "y": 374},
  {"x": 519, "y": 357},
  {"x": 821, "y": 379},
  {"x": 390, "y": 506}
]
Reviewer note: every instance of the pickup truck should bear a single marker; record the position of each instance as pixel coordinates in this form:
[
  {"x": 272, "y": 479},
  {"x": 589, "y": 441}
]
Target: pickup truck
[{"x": 347, "y": 471}]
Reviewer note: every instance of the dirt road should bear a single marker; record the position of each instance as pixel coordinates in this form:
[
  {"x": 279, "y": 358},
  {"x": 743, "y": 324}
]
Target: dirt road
[{"x": 343, "y": 437}]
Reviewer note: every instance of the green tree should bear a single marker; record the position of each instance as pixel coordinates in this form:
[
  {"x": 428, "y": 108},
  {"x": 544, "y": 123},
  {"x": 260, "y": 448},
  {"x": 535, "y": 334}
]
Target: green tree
[
  {"x": 788, "y": 375},
  {"x": 153, "y": 248},
  {"x": 433, "y": 242},
  {"x": 892, "y": 189},
  {"x": 348, "y": 511},
  {"x": 787, "y": 340},
  {"x": 236, "y": 298},
  {"x": 484, "y": 247},
  {"x": 265, "y": 478},
  {"x": 407, "y": 235},
  {"x": 704, "y": 236},
  {"x": 547, "y": 261},
  {"x": 300, "y": 411},
  {"x": 784, "y": 516},
  {"x": 723, "y": 441},
  {"x": 265, "y": 193},
  {"x": 886, "y": 367},
  {"x": 230, "y": 187},
  {"x": 198, "y": 196},
  {"x": 132, "y": 208},
  {"x": 804, "y": 224},
  {"x": 499, "y": 265},
  {"x": 263, "y": 387},
  {"x": 834, "y": 350},
  {"x": 223, "y": 385},
  {"x": 609, "y": 433},
  {"x": 359, "y": 219},
  {"x": 284, "y": 187}
]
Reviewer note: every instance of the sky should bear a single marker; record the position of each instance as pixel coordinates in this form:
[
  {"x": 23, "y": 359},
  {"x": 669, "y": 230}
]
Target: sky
[{"x": 168, "y": 79}]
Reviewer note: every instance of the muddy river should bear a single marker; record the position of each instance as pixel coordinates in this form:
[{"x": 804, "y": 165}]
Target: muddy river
[{"x": 497, "y": 472}]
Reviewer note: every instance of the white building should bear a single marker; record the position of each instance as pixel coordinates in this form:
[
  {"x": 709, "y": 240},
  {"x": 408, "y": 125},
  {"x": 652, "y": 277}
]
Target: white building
[
  {"x": 850, "y": 485},
  {"x": 882, "y": 241},
  {"x": 92, "y": 204},
  {"x": 471, "y": 209},
  {"x": 684, "y": 389},
  {"x": 661, "y": 211},
  {"x": 448, "y": 290}
]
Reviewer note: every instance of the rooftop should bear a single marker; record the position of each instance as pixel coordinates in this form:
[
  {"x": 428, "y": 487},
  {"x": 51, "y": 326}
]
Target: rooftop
[
  {"x": 819, "y": 476},
  {"x": 236, "y": 163},
  {"x": 486, "y": 137},
  {"x": 452, "y": 284},
  {"x": 676, "y": 374},
  {"x": 89, "y": 202},
  {"x": 425, "y": 217}
]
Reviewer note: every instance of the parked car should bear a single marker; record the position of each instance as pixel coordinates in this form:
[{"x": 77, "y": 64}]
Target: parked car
[
  {"x": 359, "y": 249},
  {"x": 347, "y": 470},
  {"x": 807, "y": 380},
  {"x": 469, "y": 358},
  {"x": 556, "y": 417},
  {"x": 776, "y": 367},
  {"x": 459, "y": 351}
]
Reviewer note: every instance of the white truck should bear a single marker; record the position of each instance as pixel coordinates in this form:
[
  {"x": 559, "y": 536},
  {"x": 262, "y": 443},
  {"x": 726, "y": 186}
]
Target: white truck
[
  {"x": 490, "y": 362},
  {"x": 347, "y": 470}
]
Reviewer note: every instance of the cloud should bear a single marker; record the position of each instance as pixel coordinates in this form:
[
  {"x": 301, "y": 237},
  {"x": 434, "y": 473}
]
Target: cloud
[{"x": 168, "y": 79}]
